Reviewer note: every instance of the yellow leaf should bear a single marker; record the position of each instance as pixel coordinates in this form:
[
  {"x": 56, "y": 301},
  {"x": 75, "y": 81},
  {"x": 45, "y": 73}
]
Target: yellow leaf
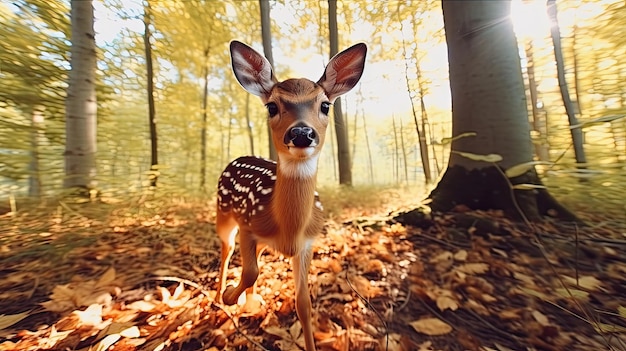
[
  {"x": 461, "y": 255},
  {"x": 528, "y": 186},
  {"x": 7, "y": 320},
  {"x": 445, "y": 302},
  {"x": 575, "y": 293},
  {"x": 541, "y": 318},
  {"x": 491, "y": 158},
  {"x": 522, "y": 168},
  {"x": 586, "y": 282},
  {"x": 431, "y": 326}
]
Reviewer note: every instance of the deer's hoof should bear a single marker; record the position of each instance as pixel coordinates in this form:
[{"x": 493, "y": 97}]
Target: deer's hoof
[{"x": 229, "y": 297}]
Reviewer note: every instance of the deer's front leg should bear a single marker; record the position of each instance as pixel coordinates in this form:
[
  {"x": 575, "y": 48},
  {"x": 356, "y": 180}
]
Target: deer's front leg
[
  {"x": 249, "y": 271},
  {"x": 301, "y": 266}
]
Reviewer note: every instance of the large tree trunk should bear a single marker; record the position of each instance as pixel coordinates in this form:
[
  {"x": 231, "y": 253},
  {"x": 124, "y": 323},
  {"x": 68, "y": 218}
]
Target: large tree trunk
[
  {"x": 343, "y": 146},
  {"x": 266, "y": 34},
  {"x": 81, "y": 107},
  {"x": 154, "y": 156},
  {"x": 488, "y": 99}
]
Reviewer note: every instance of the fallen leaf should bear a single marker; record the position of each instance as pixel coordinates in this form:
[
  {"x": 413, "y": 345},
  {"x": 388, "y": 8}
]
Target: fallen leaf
[
  {"x": 447, "y": 302},
  {"x": 473, "y": 268},
  {"x": 586, "y": 282},
  {"x": 7, "y": 320},
  {"x": 107, "y": 278},
  {"x": 541, "y": 318},
  {"x": 431, "y": 326}
]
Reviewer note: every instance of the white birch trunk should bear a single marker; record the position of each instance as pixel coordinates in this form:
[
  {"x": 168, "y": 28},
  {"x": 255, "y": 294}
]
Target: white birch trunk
[{"x": 80, "y": 124}]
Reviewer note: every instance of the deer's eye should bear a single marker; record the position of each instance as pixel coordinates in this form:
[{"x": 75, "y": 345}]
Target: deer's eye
[
  {"x": 325, "y": 107},
  {"x": 272, "y": 109}
]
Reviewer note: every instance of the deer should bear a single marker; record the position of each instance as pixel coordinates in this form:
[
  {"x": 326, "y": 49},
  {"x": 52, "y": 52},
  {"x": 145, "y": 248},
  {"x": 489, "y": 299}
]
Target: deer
[{"x": 275, "y": 204}]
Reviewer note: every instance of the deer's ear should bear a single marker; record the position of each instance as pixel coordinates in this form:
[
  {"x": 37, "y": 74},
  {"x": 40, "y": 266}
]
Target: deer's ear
[
  {"x": 344, "y": 71},
  {"x": 251, "y": 69}
]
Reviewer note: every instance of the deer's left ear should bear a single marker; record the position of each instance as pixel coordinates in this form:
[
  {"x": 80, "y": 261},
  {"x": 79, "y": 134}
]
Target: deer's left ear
[{"x": 344, "y": 71}]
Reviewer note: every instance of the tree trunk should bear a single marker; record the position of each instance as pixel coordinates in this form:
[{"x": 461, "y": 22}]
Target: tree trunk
[
  {"x": 266, "y": 34},
  {"x": 541, "y": 141},
  {"x": 81, "y": 107},
  {"x": 343, "y": 146},
  {"x": 488, "y": 98},
  {"x": 423, "y": 140},
  {"x": 154, "y": 158},
  {"x": 577, "y": 133},
  {"x": 249, "y": 125},
  {"x": 203, "y": 128},
  {"x": 37, "y": 134},
  {"x": 396, "y": 151}
]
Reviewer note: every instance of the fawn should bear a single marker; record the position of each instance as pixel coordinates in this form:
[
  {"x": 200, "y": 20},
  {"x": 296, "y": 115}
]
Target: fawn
[{"x": 275, "y": 204}]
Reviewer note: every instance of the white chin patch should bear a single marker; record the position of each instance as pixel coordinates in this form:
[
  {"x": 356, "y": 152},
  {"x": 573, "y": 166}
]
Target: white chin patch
[
  {"x": 298, "y": 167},
  {"x": 301, "y": 152}
]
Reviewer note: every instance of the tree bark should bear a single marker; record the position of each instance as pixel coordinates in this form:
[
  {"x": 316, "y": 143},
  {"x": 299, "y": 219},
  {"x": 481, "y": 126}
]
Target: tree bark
[
  {"x": 154, "y": 156},
  {"x": 266, "y": 35},
  {"x": 81, "y": 107},
  {"x": 343, "y": 146},
  {"x": 203, "y": 128},
  {"x": 488, "y": 99},
  {"x": 541, "y": 142},
  {"x": 577, "y": 133}
]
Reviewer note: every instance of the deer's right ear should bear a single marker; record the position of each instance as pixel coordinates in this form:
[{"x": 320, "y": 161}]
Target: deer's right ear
[{"x": 251, "y": 69}]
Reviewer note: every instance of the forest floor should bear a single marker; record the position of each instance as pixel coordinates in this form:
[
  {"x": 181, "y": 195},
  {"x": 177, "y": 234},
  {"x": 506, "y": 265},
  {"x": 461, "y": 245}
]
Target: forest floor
[{"x": 142, "y": 276}]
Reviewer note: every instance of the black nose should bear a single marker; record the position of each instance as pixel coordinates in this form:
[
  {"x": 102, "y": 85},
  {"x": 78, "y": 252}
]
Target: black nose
[{"x": 301, "y": 136}]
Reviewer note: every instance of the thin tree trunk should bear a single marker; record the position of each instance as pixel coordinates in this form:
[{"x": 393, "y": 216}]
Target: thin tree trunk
[
  {"x": 81, "y": 107},
  {"x": 249, "y": 125},
  {"x": 420, "y": 133},
  {"x": 541, "y": 141},
  {"x": 577, "y": 134},
  {"x": 266, "y": 34},
  {"x": 404, "y": 158},
  {"x": 154, "y": 159},
  {"x": 34, "y": 179},
  {"x": 370, "y": 164},
  {"x": 396, "y": 151},
  {"x": 423, "y": 141},
  {"x": 203, "y": 128},
  {"x": 343, "y": 146}
]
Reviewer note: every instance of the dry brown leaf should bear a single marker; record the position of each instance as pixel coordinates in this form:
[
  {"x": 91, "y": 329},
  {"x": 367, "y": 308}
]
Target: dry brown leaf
[
  {"x": 461, "y": 255},
  {"x": 445, "y": 302},
  {"x": 431, "y": 326},
  {"x": 541, "y": 318},
  {"x": 586, "y": 282},
  {"x": 7, "y": 320},
  {"x": 473, "y": 268},
  {"x": 107, "y": 278}
]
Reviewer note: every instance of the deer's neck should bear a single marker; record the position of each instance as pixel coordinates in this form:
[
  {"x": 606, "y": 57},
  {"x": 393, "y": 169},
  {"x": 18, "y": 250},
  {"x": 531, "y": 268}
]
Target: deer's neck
[{"x": 292, "y": 204}]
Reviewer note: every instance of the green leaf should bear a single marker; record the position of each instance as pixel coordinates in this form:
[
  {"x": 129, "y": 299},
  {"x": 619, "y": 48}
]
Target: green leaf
[{"x": 491, "y": 158}]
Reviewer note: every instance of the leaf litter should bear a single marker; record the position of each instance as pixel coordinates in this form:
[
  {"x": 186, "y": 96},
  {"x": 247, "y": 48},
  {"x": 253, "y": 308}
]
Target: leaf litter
[{"x": 142, "y": 277}]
